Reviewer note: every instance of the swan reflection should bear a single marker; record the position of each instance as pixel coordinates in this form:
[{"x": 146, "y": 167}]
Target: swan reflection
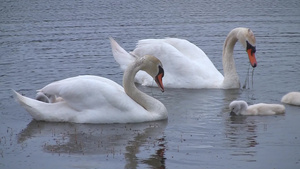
[
  {"x": 107, "y": 141},
  {"x": 241, "y": 132}
]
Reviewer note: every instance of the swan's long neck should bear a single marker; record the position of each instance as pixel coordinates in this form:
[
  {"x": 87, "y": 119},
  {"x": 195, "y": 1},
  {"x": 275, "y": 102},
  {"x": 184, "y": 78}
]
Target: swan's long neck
[
  {"x": 231, "y": 78},
  {"x": 149, "y": 103}
]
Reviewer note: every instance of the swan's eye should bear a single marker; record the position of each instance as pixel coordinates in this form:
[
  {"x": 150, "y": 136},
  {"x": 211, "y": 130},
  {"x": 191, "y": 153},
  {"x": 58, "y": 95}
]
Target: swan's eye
[
  {"x": 161, "y": 71},
  {"x": 249, "y": 46}
]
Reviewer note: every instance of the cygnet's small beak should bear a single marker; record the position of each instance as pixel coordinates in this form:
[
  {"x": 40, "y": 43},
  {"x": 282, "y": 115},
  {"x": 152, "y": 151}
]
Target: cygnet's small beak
[{"x": 232, "y": 113}]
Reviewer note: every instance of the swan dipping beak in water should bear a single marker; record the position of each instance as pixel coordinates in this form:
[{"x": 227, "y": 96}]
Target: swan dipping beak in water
[
  {"x": 94, "y": 99},
  {"x": 240, "y": 107}
]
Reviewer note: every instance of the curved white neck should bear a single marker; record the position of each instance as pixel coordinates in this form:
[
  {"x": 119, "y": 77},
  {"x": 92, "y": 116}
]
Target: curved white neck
[
  {"x": 149, "y": 103},
  {"x": 231, "y": 78}
]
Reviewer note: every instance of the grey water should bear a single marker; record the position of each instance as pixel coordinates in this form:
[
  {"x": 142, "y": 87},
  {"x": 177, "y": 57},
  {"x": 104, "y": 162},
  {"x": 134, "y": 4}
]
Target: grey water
[{"x": 44, "y": 41}]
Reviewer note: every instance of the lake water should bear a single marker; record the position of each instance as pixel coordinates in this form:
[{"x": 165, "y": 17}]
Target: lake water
[{"x": 43, "y": 41}]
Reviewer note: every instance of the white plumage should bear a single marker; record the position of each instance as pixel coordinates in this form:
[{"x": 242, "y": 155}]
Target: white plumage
[
  {"x": 94, "y": 99},
  {"x": 241, "y": 108},
  {"x": 292, "y": 98},
  {"x": 186, "y": 65}
]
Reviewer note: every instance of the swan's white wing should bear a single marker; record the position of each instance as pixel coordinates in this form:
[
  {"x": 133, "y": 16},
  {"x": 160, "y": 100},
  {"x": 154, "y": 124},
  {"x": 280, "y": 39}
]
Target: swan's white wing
[
  {"x": 185, "y": 65},
  {"x": 265, "y": 109},
  {"x": 186, "y": 48},
  {"x": 85, "y": 99},
  {"x": 88, "y": 92},
  {"x": 120, "y": 55},
  {"x": 84, "y": 92}
]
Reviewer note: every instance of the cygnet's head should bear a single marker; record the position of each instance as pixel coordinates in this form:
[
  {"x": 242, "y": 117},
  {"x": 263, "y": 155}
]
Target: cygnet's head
[
  {"x": 237, "y": 107},
  {"x": 154, "y": 68}
]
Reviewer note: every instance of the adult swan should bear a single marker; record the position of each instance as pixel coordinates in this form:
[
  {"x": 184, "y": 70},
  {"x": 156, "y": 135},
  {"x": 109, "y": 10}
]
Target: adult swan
[
  {"x": 94, "y": 99},
  {"x": 186, "y": 65}
]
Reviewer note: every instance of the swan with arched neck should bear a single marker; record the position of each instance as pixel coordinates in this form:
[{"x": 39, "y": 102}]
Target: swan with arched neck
[
  {"x": 186, "y": 65},
  {"x": 94, "y": 99}
]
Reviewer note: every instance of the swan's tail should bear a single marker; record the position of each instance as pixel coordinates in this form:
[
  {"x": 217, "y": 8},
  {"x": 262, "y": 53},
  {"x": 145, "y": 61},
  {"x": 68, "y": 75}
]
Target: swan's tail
[
  {"x": 34, "y": 107},
  {"x": 120, "y": 55}
]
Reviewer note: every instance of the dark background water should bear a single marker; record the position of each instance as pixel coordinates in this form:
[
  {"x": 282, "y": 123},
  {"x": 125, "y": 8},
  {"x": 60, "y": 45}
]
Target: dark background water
[{"x": 43, "y": 41}]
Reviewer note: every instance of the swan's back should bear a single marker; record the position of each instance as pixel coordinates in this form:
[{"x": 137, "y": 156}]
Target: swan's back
[
  {"x": 86, "y": 99},
  {"x": 186, "y": 65},
  {"x": 185, "y": 47},
  {"x": 265, "y": 109},
  {"x": 182, "y": 46}
]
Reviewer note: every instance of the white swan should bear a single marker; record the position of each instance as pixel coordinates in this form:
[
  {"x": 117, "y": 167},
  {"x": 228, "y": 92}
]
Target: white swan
[
  {"x": 186, "y": 65},
  {"x": 94, "y": 99},
  {"x": 292, "y": 98},
  {"x": 241, "y": 108}
]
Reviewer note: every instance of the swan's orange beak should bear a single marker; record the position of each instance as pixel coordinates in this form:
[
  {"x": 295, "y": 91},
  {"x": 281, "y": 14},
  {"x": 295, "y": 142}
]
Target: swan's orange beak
[
  {"x": 251, "y": 54},
  {"x": 252, "y": 58},
  {"x": 158, "y": 79}
]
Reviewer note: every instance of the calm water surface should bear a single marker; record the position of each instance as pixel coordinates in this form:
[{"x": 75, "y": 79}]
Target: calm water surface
[{"x": 43, "y": 41}]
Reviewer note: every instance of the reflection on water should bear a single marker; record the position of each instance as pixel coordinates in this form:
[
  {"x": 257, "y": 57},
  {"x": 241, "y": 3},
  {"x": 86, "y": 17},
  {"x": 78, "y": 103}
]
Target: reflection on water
[
  {"x": 158, "y": 159},
  {"x": 229, "y": 96},
  {"x": 111, "y": 140},
  {"x": 154, "y": 161},
  {"x": 241, "y": 134}
]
